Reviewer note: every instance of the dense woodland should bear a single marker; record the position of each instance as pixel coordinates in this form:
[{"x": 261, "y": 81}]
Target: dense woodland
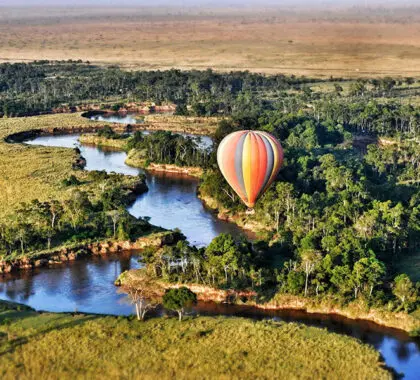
[
  {"x": 42, "y": 86},
  {"x": 98, "y": 212},
  {"x": 170, "y": 148},
  {"x": 344, "y": 211}
]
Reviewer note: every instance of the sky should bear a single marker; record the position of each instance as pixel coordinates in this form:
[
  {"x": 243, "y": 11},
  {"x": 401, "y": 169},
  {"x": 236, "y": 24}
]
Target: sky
[{"x": 207, "y": 3}]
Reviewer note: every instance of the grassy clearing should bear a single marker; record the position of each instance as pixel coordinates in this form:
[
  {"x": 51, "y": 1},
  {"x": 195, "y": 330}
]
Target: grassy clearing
[
  {"x": 117, "y": 144},
  {"x": 31, "y": 172},
  {"x": 61, "y": 346}
]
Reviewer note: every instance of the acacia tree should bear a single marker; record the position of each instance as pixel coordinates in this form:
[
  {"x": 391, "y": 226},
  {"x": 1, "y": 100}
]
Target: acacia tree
[
  {"x": 142, "y": 292},
  {"x": 178, "y": 299},
  {"x": 76, "y": 208}
]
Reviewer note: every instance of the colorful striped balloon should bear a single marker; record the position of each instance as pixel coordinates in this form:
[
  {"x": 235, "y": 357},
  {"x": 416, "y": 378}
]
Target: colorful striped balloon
[{"x": 250, "y": 161}]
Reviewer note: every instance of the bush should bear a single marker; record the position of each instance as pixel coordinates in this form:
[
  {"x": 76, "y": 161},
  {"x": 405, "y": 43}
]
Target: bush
[{"x": 71, "y": 181}]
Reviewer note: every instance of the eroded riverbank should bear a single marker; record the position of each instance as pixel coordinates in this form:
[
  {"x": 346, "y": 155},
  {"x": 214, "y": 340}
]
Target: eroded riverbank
[
  {"x": 82, "y": 250},
  {"x": 354, "y": 310}
]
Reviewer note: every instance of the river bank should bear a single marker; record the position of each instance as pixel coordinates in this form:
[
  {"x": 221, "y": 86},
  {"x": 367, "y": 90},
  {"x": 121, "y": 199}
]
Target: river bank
[
  {"x": 241, "y": 219},
  {"x": 79, "y": 250},
  {"x": 205, "y": 126},
  {"x": 136, "y": 160},
  {"x": 109, "y": 107},
  {"x": 196, "y": 125},
  {"x": 356, "y": 310}
]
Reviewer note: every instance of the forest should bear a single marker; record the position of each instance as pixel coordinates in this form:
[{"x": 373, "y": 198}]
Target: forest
[
  {"x": 88, "y": 214},
  {"x": 41, "y": 86}
]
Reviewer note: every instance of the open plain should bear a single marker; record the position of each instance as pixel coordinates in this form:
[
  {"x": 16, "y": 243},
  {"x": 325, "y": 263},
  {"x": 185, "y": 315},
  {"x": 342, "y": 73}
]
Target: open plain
[{"x": 338, "y": 43}]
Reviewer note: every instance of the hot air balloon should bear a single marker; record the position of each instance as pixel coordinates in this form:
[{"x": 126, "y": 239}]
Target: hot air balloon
[{"x": 249, "y": 161}]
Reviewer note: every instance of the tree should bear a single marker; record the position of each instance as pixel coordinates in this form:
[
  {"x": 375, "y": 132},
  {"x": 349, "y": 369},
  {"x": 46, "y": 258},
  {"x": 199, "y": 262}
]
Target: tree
[
  {"x": 115, "y": 216},
  {"x": 178, "y": 299},
  {"x": 367, "y": 273},
  {"x": 295, "y": 281},
  {"x": 338, "y": 89},
  {"x": 310, "y": 259},
  {"x": 342, "y": 279},
  {"x": 225, "y": 255},
  {"x": 142, "y": 291},
  {"x": 404, "y": 290},
  {"x": 357, "y": 88},
  {"x": 76, "y": 208}
]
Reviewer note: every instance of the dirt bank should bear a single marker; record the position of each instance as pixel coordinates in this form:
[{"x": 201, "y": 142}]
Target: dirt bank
[
  {"x": 355, "y": 310},
  {"x": 86, "y": 249}
]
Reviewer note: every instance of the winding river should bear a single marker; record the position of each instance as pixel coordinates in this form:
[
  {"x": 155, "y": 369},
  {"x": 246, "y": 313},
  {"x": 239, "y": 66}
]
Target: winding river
[{"x": 87, "y": 285}]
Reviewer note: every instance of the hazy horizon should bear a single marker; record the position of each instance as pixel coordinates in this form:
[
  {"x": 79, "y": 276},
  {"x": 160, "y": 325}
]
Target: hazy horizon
[{"x": 213, "y": 4}]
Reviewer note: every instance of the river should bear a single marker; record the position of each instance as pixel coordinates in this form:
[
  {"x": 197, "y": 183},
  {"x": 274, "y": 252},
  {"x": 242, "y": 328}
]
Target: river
[
  {"x": 87, "y": 285},
  {"x": 127, "y": 118}
]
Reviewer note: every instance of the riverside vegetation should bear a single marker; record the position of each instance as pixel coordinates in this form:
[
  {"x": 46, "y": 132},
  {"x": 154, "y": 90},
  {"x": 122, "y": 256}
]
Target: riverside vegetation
[
  {"x": 66, "y": 346},
  {"x": 338, "y": 224}
]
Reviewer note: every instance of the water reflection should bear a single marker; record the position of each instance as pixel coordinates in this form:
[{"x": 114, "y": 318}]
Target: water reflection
[
  {"x": 87, "y": 286},
  {"x": 84, "y": 285},
  {"x": 123, "y": 118},
  {"x": 171, "y": 201}
]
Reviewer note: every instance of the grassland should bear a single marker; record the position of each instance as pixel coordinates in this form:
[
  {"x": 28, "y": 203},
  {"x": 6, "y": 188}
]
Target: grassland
[
  {"x": 32, "y": 172},
  {"x": 65, "y": 346},
  {"x": 304, "y": 43}
]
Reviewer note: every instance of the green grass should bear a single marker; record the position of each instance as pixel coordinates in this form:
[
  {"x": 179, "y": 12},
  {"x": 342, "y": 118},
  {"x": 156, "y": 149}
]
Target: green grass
[
  {"x": 32, "y": 172},
  {"x": 64, "y": 346}
]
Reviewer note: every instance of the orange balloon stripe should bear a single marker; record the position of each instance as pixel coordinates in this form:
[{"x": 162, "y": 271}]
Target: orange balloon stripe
[
  {"x": 254, "y": 161},
  {"x": 255, "y": 166},
  {"x": 247, "y": 165}
]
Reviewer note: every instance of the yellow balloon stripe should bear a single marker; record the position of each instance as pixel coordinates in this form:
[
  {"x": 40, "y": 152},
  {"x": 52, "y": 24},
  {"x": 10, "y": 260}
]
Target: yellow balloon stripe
[{"x": 246, "y": 165}]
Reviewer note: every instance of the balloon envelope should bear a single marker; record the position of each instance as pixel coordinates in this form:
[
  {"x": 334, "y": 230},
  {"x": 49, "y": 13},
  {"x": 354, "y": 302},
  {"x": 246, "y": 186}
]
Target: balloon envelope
[{"x": 249, "y": 161}]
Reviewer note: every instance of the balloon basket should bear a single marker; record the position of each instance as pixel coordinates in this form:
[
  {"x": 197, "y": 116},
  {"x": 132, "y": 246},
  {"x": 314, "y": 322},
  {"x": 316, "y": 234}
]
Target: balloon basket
[{"x": 250, "y": 211}]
